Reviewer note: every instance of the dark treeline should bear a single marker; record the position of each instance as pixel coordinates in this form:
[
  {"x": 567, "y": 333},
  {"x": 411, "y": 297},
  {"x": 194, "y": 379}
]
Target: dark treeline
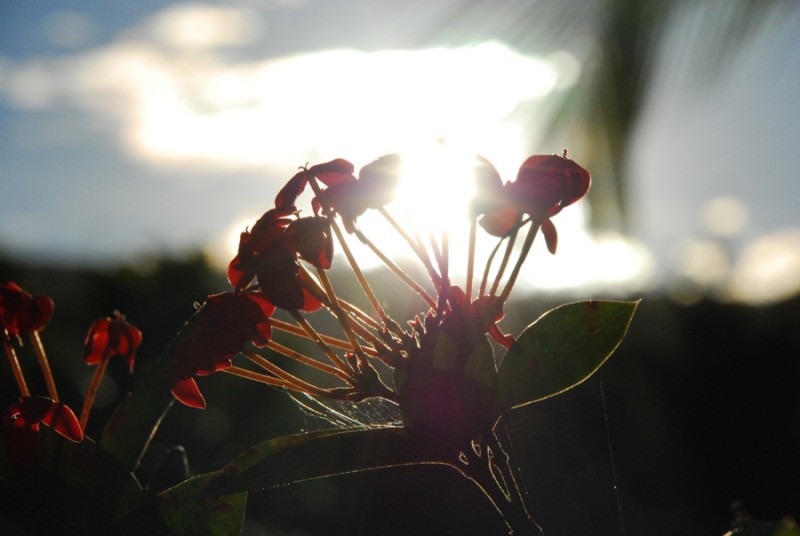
[{"x": 698, "y": 409}]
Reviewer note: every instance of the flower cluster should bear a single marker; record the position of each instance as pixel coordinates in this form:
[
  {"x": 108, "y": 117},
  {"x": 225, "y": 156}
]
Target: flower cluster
[
  {"x": 438, "y": 367},
  {"x": 443, "y": 361}
]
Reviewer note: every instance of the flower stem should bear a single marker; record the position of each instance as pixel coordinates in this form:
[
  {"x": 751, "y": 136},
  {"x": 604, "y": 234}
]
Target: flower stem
[
  {"x": 331, "y": 341},
  {"x": 373, "y": 300},
  {"x": 44, "y": 364},
  {"x": 504, "y": 263},
  {"x": 91, "y": 393},
  {"x": 314, "y": 336},
  {"x": 473, "y": 225},
  {"x": 340, "y": 314},
  {"x": 418, "y": 250},
  {"x": 526, "y": 247},
  {"x": 313, "y": 363},
  {"x": 487, "y": 268},
  {"x": 404, "y": 277},
  {"x": 289, "y": 380},
  {"x": 261, "y": 378},
  {"x": 15, "y": 368}
]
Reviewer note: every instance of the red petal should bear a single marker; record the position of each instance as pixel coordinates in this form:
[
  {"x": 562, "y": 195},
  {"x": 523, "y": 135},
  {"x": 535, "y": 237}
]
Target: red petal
[
  {"x": 550, "y": 235},
  {"x": 187, "y": 392},
  {"x": 20, "y": 312},
  {"x": 237, "y": 276},
  {"x": 333, "y": 172},
  {"x": 548, "y": 183},
  {"x": 291, "y": 190},
  {"x": 310, "y": 302},
  {"x": 379, "y": 179},
  {"x": 61, "y": 419},
  {"x": 312, "y": 240},
  {"x": 500, "y": 222},
  {"x": 96, "y": 345},
  {"x": 31, "y": 411}
]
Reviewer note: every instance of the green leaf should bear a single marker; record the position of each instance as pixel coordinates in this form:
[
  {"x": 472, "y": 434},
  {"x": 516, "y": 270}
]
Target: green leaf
[
  {"x": 560, "y": 350},
  {"x": 294, "y": 458},
  {"x": 71, "y": 488},
  {"x": 189, "y": 511}
]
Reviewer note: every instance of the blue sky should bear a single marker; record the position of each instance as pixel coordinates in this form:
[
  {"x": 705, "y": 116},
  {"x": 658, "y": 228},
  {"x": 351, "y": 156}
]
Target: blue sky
[{"x": 148, "y": 127}]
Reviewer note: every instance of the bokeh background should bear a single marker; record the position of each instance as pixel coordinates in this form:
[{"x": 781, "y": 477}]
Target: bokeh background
[{"x": 137, "y": 139}]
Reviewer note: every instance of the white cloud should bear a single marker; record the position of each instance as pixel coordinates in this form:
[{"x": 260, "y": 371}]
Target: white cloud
[
  {"x": 173, "y": 96},
  {"x": 197, "y": 26}
]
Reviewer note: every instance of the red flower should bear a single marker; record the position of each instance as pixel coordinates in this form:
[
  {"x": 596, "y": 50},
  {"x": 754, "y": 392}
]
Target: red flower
[
  {"x": 329, "y": 173},
  {"x": 489, "y": 193},
  {"x": 220, "y": 330},
  {"x": 112, "y": 336},
  {"x": 545, "y": 184},
  {"x": 350, "y": 197},
  {"x": 311, "y": 239},
  {"x": 266, "y": 232},
  {"x": 20, "y": 312},
  {"x": 22, "y": 420},
  {"x": 269, "y": 253}
]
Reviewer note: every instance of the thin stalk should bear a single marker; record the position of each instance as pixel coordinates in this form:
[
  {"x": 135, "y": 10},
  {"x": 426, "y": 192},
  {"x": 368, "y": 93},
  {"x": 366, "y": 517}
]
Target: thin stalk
[
  {"x": 91, "y": 393},
  {"x": 312, "y": 285},
  {"x": 331, "y": 341},
  {"x": 473, "y": 226},
  {"x": 404, "y": 277},
  {"x": 487, "y": 268},
  {"x": 277, "y": 382},
  {"x": 15, "y": 368},
  {"x": 292, "y": 381},
  {"x": 435, "y": 277},
  {"x": 445, "y": 269},
  {"x": 44, "y": 364},
  {"x": 340, "y": 314},
  {"x": 504, "y": 263},
  {"x": 373, "y": 300},
  {"x": 313, "y": 363},
  {"x": 376, "y": 343},
  {"x": 526, "y": 247},
  {"x": 330, "y": 354},
  {"x": 360, "y": 315},
  {"x": 257, "y": 376},
  {"x": 418, "y": 250}
]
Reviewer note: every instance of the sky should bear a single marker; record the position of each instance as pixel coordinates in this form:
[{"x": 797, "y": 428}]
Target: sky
[{"x": 142, "y": 128}]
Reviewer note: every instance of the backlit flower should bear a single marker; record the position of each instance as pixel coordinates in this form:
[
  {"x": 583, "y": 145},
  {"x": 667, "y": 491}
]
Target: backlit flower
[
  {"x": 22, "y": 420},
  {"x": 112, "y": 336},
  {"x": 329, "y": 173},
  {"x": 350, "y": 197},
  {"x": 22, "y": 313},
  {"x": 545, "y": 184},
  {"x": 266, "y": 232},
  {"x": 222, "y": 327},
  {"x": 269, "y": 254}
]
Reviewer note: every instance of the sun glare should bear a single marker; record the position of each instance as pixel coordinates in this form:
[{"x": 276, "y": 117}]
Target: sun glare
[{"x": 327, "y": 103}]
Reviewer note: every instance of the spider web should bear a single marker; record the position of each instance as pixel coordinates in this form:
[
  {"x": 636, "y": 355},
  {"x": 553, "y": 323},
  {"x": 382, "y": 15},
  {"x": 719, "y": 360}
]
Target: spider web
[{"x": 326, "y": 414}]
